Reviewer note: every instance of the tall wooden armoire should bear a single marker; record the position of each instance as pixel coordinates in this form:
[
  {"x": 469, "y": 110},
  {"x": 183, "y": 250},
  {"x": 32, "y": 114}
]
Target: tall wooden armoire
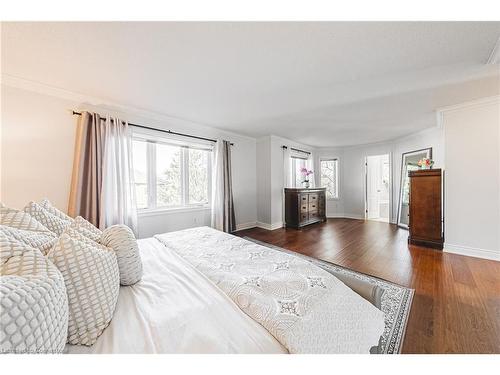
[{"x": 426, "y": 219}]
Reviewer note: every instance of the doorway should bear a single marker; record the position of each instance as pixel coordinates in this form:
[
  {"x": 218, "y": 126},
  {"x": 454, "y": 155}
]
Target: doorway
[{"x": 378, "y": 187}]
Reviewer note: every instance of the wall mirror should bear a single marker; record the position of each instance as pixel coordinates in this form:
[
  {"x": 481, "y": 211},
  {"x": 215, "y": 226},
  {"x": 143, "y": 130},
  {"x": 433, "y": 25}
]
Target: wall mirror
[{"x": 408, "y": 163}]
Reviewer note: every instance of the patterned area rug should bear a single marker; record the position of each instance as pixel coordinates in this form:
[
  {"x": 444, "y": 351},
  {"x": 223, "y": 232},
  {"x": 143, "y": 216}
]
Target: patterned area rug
[{"x": 396, "y": 301}]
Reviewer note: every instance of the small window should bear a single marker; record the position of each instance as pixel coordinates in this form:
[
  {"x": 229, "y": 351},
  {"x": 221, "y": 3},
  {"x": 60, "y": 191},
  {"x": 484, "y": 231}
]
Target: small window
[
  {"x": 140, "y": 164},
  {"x": 330, "y": 177},
  {"x": 296, "y": 165},
  {"x": 170, "y": 175}
]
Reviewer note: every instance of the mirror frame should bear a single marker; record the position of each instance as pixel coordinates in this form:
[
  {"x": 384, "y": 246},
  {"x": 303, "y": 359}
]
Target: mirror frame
[{"x": 401, "y": 180}]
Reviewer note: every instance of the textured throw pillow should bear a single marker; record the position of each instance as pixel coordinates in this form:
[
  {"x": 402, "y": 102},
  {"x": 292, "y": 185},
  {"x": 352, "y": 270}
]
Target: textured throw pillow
[
  {"x": 79, "y": 234},
  {"x": 45, "y": 203},
  {"x": 86, "y": 228},
  {"x": 122, "y": 240},
  {"x": 42, "y": 241},
  {"x": 5, "y": 209},
  {"x": 21, "y": 220},
  {"x": 33, "y": 299},
  {"x": 52, "y": 222},
  {"x": 92, "y": 281}
]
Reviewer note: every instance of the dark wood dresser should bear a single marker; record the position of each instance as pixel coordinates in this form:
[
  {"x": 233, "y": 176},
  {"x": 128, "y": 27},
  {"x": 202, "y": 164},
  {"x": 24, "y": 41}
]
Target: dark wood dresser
[
  {"x": 426, "y": 225},
  {"x": 304, "y": 206}
]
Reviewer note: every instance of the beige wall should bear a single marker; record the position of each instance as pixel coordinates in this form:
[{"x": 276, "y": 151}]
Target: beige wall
[
  {"x": 37, "y": 142},
  {"x": 472, "y": 184}
]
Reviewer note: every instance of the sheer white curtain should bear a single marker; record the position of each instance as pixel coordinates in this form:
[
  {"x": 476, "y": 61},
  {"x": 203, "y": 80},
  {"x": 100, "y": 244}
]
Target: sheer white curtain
[
  {"x": 310, "y": 166},
  {"x": 287, "y": 177},
  {"x": 118, "y": 192},
  {"x": 287, "y": 168},
  {"x": 222, "y": 214}
]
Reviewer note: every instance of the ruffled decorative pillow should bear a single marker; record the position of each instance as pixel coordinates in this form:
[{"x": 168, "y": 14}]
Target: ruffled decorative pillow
[
  {"x": 92, "y": 280},
  {"x": 52, "y": 222},
  {"x": 42, "y": 241},
  {"x": 45, "y": 203},
  {"x": 122, "y": 240},
  {"x": 33, "y": 299}
]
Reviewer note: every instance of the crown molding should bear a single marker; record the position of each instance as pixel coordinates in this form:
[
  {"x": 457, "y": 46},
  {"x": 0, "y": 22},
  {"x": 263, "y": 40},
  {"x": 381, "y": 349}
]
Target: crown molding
[
  {"x": 84, "y": 100},
  {"x": 494, "y": 57},
  {"x": 472, "y": 103}
]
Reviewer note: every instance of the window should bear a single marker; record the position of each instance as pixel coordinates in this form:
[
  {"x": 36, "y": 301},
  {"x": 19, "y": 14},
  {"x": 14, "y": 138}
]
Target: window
[
  {"x": 330, "y": 177},
  {"x": 296, "y": 165},
  {"x": 170, "y": 175}
]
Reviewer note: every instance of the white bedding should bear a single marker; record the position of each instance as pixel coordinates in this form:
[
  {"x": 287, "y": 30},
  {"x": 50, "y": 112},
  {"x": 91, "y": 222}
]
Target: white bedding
[
  {"x": 307, "y": 309},
  {"x": 175, "y": 309}
]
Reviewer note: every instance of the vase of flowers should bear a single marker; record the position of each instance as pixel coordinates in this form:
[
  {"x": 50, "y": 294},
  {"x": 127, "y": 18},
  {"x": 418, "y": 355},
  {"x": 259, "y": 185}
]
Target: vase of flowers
[
  {"x": 425, "y": 163},
  {"x": 305, "y": 176}
]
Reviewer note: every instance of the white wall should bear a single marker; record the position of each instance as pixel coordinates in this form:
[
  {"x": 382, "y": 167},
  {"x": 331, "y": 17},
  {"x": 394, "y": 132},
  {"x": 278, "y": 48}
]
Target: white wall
[
  {"x": 472, "y": 188},
  {"x": 270, "y": 179},
  {"x": 263, "y": 178},
  {"x": 351, "y": 202},
  {"x": 37, "y": 154}
]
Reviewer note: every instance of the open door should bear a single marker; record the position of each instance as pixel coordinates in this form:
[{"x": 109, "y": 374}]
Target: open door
[{"x": 377, "y": 187}]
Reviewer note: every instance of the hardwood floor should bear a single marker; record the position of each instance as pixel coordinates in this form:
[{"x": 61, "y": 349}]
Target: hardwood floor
[{"x": 456, "y": 308}]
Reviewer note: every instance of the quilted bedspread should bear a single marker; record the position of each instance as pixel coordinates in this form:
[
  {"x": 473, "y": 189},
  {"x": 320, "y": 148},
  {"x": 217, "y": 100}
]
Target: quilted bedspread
[{"x": 305, "y": 308}]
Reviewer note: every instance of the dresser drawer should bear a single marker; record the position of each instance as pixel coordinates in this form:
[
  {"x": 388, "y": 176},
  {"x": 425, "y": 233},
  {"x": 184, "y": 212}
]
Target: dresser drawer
[
  {"x": 313, "y": 215},
  {"x": 304, "y": 216},
  {"x": 304, "y": 207},
  {"x": 313, "y": 206},
  {"x": 313, "y": 197}
]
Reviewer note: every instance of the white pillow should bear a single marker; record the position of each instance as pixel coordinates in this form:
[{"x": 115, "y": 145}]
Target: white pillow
[
  {"x": 45, "y": 203},
  {"x": 92, "y": 281},
  {"x": 86, "y": 228},
  {"x": 52, "y": 222},
  {"x": 21, "y": 220},
  {"x": 33, "y": 299},
  {"x": 42, "y": 241},
  {"x": 122, "y": 240}
]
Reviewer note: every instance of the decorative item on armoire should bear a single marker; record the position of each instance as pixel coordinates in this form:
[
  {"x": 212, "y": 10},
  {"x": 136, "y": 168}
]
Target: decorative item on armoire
[{"x": 305, "y": 175}]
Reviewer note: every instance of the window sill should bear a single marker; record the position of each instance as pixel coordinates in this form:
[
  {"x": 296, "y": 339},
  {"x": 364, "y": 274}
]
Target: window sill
[{"x": 170, "y": 211}]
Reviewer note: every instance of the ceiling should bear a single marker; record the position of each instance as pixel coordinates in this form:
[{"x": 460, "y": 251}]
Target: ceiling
[{"x": 319, "y": 83}]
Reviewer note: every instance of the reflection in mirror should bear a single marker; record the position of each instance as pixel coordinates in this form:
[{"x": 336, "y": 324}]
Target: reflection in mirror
[{"x": 408, "y": 164}]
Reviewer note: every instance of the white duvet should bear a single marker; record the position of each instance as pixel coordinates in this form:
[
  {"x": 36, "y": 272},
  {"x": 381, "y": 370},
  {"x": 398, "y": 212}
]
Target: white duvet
[
  {"x": 175, "y": 309},
  {"x": 305, "y": 308}
]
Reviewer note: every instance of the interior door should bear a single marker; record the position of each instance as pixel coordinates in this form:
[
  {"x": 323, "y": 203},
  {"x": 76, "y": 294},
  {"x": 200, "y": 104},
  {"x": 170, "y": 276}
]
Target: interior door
[{"x": 372, "y": 188}]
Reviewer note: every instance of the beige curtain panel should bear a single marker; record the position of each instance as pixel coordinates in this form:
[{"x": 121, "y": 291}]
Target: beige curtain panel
[
  {"x": 86, "y": 182},
  {"x": 102, "y": 184}
]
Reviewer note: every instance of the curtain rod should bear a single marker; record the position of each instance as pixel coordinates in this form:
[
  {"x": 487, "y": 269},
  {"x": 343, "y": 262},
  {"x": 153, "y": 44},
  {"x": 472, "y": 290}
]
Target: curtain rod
[
  {"x": 296, "y": 149},
  {"x": 162, "y": 130}
]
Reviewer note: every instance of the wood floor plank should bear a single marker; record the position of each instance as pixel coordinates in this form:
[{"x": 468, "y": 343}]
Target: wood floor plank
[{"x": 456, "y": 308}]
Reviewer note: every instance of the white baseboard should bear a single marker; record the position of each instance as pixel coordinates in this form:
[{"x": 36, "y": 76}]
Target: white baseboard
[
  {"x": 269, "y": 226},
  {"x": 335, "y": 216},
  {"x": 472, "y": 252},
  {"x": 353, "y": 216},
  {"x": 248, "y": 225}
]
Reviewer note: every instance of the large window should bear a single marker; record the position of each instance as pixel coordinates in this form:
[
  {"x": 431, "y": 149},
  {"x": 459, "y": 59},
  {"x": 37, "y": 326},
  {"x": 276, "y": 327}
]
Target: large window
[
  {"x": 330, "y": 177},
  {"x": 296, "y": 165},
  {"x": 170, "y": 175}
]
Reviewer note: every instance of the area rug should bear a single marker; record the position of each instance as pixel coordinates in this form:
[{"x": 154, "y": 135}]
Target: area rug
[{"x": 396, "y": 300}]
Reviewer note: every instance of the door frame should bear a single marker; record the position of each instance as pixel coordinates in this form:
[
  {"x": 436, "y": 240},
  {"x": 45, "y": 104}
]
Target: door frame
[{"x": 390, "y": 185}]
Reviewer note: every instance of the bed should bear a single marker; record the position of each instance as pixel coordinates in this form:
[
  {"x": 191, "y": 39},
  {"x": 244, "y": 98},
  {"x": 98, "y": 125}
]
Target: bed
[{"x": 184, "y": 304}]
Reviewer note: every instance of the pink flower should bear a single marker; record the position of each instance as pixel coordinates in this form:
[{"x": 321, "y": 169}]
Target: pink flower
[{"x": 304, "y": 171}]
